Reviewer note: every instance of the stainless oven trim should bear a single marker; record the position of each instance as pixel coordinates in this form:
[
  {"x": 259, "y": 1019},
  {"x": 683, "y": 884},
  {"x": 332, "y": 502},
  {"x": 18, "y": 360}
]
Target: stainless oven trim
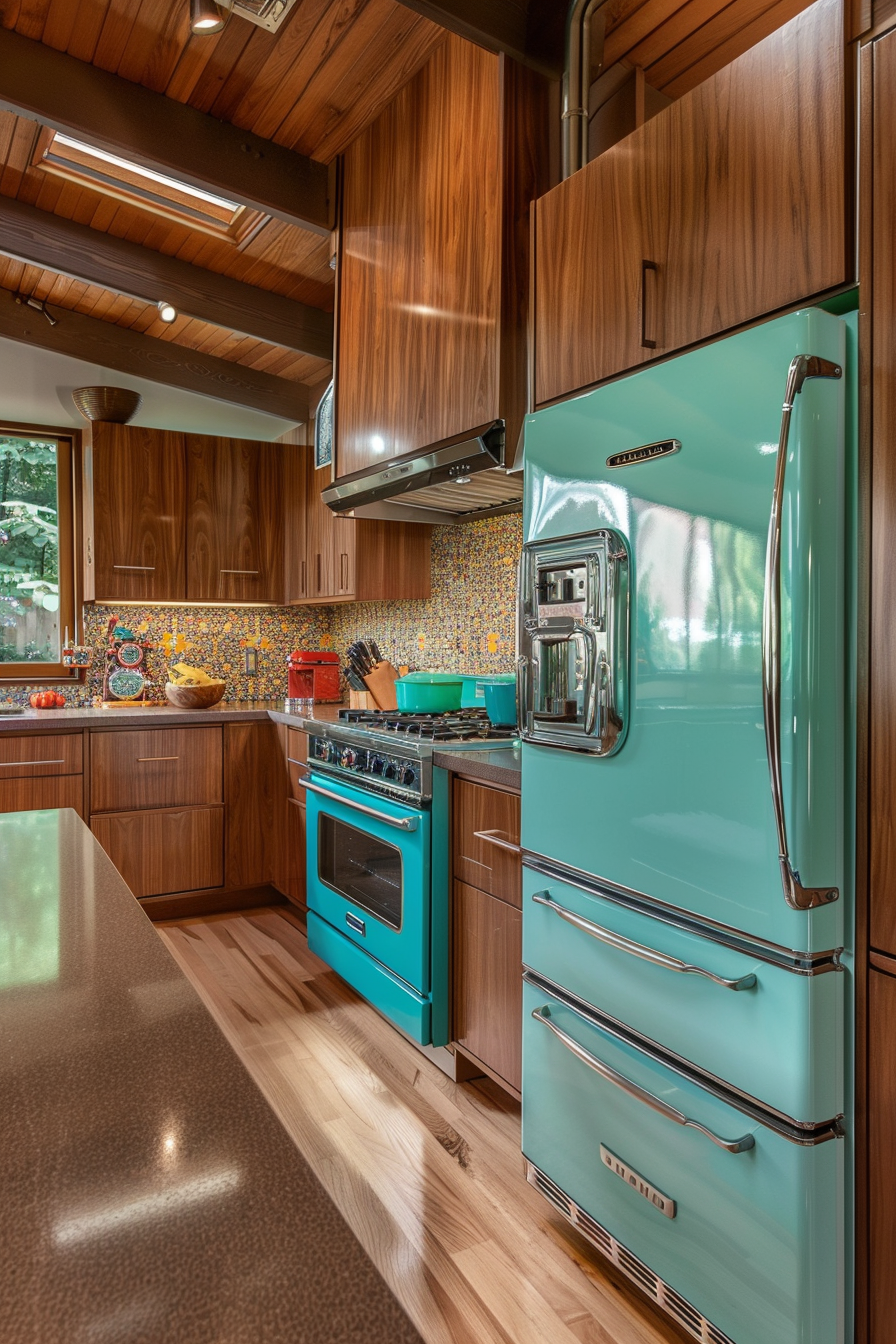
[{"x": 393, "y": 928}]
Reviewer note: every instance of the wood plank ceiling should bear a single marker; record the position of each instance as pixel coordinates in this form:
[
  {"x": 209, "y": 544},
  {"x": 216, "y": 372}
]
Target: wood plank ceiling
[{"x": 312, "y": 88}]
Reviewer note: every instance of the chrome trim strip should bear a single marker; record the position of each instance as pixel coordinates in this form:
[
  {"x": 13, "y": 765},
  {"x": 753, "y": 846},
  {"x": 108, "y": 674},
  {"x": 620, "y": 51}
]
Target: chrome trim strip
[
  {"x": 741, "y": 1145},
  {"x": 798, "y": 897},
  {"x": 400, "y": 823},
  {"x": 634, "y": 949},
  {"x": 798, "y": 963},
  {"x": 804, "y": 1134}
]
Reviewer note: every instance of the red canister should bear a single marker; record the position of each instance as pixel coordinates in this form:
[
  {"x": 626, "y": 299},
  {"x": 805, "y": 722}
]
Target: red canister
[{"x": 313, "y": 674}]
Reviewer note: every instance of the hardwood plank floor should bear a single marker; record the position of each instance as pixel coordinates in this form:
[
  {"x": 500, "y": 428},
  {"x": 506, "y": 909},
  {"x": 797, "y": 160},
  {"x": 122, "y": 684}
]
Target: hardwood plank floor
[{"x": 427, "y": 1173}]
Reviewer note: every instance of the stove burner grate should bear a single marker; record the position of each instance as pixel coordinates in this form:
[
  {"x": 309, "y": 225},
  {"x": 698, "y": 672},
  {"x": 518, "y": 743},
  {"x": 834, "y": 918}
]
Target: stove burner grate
[{"x": 459, "y": 725}]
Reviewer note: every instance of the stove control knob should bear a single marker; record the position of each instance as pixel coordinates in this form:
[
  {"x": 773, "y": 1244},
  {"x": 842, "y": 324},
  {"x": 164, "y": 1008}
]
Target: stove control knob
[
  {"x": 325, "y": 750},
  {"x": 390, "y": 770},
  {"x": 408, "y": 775},
  {"x": 377, "y": 765}
]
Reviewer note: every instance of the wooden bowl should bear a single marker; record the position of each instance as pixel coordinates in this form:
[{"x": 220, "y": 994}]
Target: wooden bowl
[
  {"x": 115, "y": 404},
  {"x": 195, "y": 697}
]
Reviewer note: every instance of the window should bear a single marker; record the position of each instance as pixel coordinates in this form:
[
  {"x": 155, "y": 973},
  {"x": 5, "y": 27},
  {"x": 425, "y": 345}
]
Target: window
[
  {"x": 132, "y": 182},
  {"x": 37, "y": 553}
]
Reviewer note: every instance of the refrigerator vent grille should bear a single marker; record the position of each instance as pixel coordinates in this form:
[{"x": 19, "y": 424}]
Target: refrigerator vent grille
[{"x": 677, "y": 1306}]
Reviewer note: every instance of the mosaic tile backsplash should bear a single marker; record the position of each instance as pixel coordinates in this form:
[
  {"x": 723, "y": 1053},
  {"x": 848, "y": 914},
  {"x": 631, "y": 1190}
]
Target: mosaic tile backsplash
[{"x": 467, "y": 625}]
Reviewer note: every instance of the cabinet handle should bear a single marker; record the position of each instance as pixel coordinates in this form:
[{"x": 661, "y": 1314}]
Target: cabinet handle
[
  {"x": 648, "y": 268},
  {"x": 494, "y": 838},
  {"x": 319, "y": 580},
  {"x": 238, "y": 571},
  {"x": 638, "y": 949},
  {"x": 291, "y": 760},
  {"x": 144, "y": 569},
  {"x": 303, "y": 585},
  {"x": 141, "y": 759},
  {"x": 741, "y": 1145},
  {"x": 90, "y": 550},
  {"x": 9, "y": 765},
  {"x": 343, "y": 572}
]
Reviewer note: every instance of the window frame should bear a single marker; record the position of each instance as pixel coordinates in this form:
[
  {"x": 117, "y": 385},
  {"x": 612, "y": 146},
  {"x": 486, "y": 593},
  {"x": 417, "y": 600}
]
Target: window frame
[{"x": 68, "y": 487}]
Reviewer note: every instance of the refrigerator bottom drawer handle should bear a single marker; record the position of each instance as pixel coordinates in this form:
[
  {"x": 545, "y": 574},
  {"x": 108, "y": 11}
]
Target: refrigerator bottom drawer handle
[
  {"x": 741, "y": 1145},
  {"x": 638, "y": 949}
]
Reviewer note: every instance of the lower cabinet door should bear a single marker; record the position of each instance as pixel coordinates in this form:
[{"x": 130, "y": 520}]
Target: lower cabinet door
[
  {"x": 295, "y": 853},
  {"x": 165, "y": 851},
  {"x": 487, "y": 983},
  {"x": 31, "y": 795}
]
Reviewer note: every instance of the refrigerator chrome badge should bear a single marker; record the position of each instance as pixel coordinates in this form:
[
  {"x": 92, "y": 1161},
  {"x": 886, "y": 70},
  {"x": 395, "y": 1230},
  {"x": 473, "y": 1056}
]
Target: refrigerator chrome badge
[{"x": 646, "y": 453}]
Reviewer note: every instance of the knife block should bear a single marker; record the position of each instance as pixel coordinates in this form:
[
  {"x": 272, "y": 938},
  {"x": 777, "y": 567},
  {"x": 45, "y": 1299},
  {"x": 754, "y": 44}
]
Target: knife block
[
  {"x": 381, "y": 684},
  {"x": 361, "y": 700}
]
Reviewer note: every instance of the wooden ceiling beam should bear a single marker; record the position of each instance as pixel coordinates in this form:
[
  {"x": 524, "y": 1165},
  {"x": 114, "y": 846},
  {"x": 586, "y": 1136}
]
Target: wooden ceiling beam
[
  {"x": 531, "y": 31},
  {"x": 117, "y": 115},
  {"x": 130, "y": 352},
  {"x": 39, "y": 238}
]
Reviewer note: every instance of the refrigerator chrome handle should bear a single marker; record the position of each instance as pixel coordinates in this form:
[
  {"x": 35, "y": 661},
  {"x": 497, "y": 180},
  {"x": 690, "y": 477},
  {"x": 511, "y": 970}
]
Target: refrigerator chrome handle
[
  {"x": 400, "y": 823},
  {"x": 741, "y": 1145},
  {"x": 638, "y": 949},
  {"x": 796, "y": 895}
]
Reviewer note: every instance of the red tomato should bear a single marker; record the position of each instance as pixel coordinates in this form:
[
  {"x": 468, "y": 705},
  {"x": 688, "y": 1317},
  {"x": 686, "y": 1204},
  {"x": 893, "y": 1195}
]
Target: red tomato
[
  {"x": 34, "y": 699},
  {"x": 60, "y": 700},
  {"x": 43, "y": 700}
]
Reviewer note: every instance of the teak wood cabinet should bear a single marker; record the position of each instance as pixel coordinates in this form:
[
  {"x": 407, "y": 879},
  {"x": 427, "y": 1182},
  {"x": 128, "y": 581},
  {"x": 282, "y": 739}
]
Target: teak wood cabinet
[
  {"x": 434, "y": 260},
  {"x": 234, "y": 520},
  {"x": 486, "y": 930},
  {"x": 337, "y": 559},
  {"x": 730, "y": 204},
  {"x": 41, "y": 771}
]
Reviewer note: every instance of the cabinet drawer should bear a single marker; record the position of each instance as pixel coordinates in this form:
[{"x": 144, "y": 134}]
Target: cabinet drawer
[
  {"x": 486, "y": 840},
  {"x": 296, "y": 761},
  {"x": 778, "y": 1036},
  {"x": 156, "y": 767},
  {"x": 487, "y": 985},
  {"x": 157, "y": 853},
  {"x": 28, "y": 795},
  {"x": 55, "y": 754}
]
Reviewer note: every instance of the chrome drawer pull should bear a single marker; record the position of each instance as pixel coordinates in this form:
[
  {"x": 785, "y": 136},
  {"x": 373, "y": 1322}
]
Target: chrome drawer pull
[
  {"x": 638, "y": 949},
  {"x": 639, "y": 1093},
  {"x": 796, "y": 895},
  {"x": 400, "y": 823},
  {"x": 494, "y": 838},
  {"x": 144, "y": 569},
  {"x": 291, "y": 760},
  {"x": 141, "y": 759},
  {"x": 238, "y": 571},
  {"x": 9, "y": 765}
]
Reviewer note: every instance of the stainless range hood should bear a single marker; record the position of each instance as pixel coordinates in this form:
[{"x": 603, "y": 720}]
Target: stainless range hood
[{"x": 451, "y": 483}]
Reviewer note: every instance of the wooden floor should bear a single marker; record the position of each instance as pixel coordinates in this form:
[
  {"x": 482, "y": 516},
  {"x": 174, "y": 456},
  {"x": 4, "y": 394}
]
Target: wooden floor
[{"x": 427, "y": 1172}]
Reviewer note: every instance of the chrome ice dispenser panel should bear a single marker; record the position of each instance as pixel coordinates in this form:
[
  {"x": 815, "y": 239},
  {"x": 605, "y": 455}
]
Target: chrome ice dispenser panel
[{"x": 574, "y": 642}]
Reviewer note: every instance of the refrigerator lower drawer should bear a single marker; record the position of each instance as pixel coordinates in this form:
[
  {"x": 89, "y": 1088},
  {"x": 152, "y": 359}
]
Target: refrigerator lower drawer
[
  {"x": 751, "y": 1236},
  {"x": 770, "y": 1033},
  {"x": 391, "y": 996}
]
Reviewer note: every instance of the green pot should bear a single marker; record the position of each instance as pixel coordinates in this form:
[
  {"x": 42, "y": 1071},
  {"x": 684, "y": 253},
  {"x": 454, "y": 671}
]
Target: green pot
[{"x": 429, "y": 692}]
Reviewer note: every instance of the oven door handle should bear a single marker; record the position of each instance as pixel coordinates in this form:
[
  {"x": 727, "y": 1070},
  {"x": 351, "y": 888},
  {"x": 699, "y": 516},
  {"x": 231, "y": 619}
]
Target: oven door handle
[
  {"x": 741, "y": 1145},
  {"x": 400, "y": 823}
]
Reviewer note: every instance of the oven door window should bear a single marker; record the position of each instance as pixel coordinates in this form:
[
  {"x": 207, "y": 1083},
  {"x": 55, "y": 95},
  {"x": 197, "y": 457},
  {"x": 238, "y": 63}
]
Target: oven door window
[{"x": 364, "y": 869}]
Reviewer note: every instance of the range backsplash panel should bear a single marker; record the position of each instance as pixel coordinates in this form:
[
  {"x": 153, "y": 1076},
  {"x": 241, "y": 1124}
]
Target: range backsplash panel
[{"x": 467, "y": 625}]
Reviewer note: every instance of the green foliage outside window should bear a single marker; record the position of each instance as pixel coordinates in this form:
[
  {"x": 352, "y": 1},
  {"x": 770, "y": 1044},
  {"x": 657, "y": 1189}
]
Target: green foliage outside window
[{"x": 29, "y": 549}]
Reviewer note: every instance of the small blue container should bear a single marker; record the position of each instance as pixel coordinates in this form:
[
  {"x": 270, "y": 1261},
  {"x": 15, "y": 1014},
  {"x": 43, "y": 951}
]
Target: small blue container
[{"x": 500, "y": 699}]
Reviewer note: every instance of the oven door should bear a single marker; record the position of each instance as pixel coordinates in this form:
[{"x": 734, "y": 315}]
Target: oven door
[{"x": 368, "y": 871}]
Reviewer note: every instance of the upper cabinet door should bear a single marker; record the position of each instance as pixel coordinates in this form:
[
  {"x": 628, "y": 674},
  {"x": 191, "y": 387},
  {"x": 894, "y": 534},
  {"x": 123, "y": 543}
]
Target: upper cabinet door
[
  {"x": 729, "y": 205},
  {"x": 600, "y": 258},
  {"x": 234, "y": 521},
  {"x": 433, "y": 273},
  {"x": 135, "y": 542},
  {"x": 759, "y": 198}
]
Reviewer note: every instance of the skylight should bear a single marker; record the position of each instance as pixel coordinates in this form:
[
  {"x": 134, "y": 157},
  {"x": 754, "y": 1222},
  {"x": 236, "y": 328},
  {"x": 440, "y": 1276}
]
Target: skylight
[{"x": 145, "y": 187}]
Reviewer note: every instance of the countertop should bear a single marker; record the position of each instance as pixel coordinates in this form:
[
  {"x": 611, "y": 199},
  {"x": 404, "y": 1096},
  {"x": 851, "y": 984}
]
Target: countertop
[
  {"x": 55, "y": 720},
  {"x": 149, "y": 1193},
  {"x": 501, "y": 765}
]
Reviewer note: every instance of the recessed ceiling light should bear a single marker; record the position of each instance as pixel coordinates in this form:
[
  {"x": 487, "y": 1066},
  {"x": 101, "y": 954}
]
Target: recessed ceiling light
[
  {"x": 205, "y": 17},
  {"x": 167, "y": 311}
]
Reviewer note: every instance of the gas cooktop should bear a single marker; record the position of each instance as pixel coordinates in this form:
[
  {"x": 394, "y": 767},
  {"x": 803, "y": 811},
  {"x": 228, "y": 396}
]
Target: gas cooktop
[{"x": 457, "y": 726}]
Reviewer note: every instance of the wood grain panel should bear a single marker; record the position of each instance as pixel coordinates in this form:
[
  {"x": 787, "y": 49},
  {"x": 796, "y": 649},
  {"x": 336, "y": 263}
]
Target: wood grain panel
[
  {"x": 139, "y": 513},
  {"x": 882, "y": 690},
  {"x": 391, "y": 560},
  {"x": 482, "y": 863},
  {"x": 27, "y": 794},
  {"x": 487, "y": 980},
  {"x": 251, "y": 777},
  {"x": 758, "y": 199},
  {"x": 296, "y": 850},
  {"x": 420, "y": 264},
  {"x": 155, "y": 767},
  {"x": 594, "y": 234},
  {"x": 46, "y": 754},
  {"x": 234, "y": 520},
  {"x": 882, "y": 1152},
  {"x": 159, "y": 852}
]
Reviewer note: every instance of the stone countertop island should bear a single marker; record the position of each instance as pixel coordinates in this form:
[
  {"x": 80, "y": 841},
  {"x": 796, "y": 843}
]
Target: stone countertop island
[{"x": 149, "y": 1194}]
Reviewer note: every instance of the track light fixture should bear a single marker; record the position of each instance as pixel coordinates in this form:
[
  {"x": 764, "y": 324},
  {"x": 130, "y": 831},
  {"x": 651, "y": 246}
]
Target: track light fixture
[
  {"x": 167, "y": 311},
  {"x": 39, "y": 305},
  {"x": 205, "y": 17}
]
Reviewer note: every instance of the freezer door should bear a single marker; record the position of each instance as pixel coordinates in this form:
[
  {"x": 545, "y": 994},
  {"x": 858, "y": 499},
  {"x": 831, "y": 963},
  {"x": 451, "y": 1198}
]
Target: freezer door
[{"x": 684, "y": 813}]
